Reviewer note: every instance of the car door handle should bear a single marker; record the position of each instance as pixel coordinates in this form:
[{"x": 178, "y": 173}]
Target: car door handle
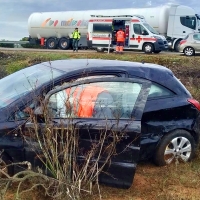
[{"x": 183, "y": 31}]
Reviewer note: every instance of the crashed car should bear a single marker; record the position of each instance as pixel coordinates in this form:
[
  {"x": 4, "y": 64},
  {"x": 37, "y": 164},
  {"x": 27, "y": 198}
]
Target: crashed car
[{"x": 159, "y": 113}]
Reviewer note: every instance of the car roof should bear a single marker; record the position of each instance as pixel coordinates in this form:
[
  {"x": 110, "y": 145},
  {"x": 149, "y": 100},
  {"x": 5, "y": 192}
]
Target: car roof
[
  {"x": 149, "y": 71},
  {"x": 142, "y": 69}
]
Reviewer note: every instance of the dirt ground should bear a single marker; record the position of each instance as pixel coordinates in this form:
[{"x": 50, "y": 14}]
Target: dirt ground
[{"x": 174, "y": 182}]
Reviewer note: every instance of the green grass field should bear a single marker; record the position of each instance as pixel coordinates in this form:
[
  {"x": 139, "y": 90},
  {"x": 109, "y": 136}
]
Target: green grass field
[{"x": 175, "y": 182}]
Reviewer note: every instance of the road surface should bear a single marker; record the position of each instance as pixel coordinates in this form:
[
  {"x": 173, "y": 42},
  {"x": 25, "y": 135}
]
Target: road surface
[{"x": 79, "y": 52}]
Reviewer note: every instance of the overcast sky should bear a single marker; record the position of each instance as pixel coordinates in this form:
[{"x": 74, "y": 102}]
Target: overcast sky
[{"x": 14, "y": 13}]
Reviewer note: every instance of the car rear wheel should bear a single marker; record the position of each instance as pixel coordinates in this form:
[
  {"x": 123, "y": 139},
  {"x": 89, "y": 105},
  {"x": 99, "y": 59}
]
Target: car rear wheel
[
  {"x": 148, "y": 48},
  {"x": 5, "y": 166},
  {"x": 189, "y": 51},
  {"x": 176, "y": 146}
]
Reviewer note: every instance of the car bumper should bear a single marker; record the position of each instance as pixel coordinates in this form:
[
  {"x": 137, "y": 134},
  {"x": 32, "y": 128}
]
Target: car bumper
[{"x": 161, "y": 45}]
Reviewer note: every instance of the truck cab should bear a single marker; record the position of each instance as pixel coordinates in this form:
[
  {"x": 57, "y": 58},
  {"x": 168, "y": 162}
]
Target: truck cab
[{"x": 139, "y": 34}]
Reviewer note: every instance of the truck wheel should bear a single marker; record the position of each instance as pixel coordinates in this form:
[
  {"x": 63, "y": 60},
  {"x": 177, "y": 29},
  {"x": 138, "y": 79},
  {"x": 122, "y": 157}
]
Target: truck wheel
[
  {"x": 64, "y": 43},
  {"x": 148, "y": 48},
  {"x": 176, "y": 46},
  {"x": 51, "y": 43},
  {"x": 157, "y": 51},
  {"x": 4, "y": 162},
  {"x": 99, "y": 49},
  {"x": 177, "y": 145},
  {"x": 189, "y": 51}
]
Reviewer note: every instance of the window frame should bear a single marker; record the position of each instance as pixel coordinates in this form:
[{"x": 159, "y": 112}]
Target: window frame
[{"x": 139, "y": 104}]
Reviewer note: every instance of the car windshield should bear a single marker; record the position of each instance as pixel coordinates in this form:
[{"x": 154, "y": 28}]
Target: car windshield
[
  {"x": 151, "y": 29},
  {"x": 20, "y": 83}
]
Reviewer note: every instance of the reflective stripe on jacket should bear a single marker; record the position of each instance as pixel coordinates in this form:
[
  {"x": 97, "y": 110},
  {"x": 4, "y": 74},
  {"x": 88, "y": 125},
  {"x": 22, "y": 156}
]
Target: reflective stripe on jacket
[
  {"x": 120, "y": 36},
  {"x": 76, "y": 35}
]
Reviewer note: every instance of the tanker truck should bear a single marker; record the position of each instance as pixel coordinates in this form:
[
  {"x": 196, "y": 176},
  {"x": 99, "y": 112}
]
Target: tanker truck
[{"x": 54, "y": 29}]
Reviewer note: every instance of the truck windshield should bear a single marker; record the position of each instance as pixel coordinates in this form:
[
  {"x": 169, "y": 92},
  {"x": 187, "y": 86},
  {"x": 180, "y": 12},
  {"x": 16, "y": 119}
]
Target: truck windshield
[
  {"x": 151, "y": 29},
  {"x": 25, "y": 81}
]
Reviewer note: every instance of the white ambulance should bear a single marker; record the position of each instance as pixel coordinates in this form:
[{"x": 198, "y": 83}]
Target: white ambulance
[{"x": 139, "y": 34}]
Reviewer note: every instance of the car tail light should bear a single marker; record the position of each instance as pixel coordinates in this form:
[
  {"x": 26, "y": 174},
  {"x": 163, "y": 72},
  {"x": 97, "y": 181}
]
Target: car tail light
[
  {"x": 87, "y": 36},
  {"x": 182, "y": 42},
  {"x": 195, "y": 103}
]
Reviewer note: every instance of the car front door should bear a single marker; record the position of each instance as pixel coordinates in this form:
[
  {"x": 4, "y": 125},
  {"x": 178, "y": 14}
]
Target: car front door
[
  {"x": 138, "y": 35},
  {"x": 196, "y": 41},
  {"x": 106, "y": 112}
]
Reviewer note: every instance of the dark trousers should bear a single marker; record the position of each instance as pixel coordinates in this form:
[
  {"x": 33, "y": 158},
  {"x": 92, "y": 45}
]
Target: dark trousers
[{"x": 75, "y": 44}]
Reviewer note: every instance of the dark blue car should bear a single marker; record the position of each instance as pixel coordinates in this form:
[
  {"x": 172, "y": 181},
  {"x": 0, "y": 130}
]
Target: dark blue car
[{"x": 161, "y": 115}]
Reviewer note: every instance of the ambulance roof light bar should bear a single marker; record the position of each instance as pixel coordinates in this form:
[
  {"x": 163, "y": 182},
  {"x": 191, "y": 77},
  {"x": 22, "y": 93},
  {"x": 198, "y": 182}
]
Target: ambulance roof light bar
[{"x": 139, "y": 16}]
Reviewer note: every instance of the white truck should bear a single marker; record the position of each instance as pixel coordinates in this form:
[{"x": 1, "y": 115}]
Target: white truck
[
  {"x": 139, "y": 35},
  {"x": 54, "y": 28}
]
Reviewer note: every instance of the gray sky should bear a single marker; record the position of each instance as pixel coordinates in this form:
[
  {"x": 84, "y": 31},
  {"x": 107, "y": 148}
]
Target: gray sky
[{"x": 14, "y": 13}]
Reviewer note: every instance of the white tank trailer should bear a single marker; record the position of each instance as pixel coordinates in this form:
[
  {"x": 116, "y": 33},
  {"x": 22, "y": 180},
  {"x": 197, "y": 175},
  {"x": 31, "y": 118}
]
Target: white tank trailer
[{"x": 171, "y": 20}]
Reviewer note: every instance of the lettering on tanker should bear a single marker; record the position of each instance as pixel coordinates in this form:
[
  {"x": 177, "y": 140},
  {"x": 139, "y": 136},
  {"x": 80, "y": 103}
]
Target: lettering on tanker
[{"x": 69, "y": 22}]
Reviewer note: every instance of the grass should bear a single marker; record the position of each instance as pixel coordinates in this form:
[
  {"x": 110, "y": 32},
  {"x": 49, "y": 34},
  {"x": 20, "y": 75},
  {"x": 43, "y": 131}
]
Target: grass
[{"x": 174, "y": 182}]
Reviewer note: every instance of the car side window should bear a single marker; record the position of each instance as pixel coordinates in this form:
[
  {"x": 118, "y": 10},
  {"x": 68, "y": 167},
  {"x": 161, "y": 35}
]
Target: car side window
[
  {"x": 158, "y": 91},
  {"x": 138, "y": 29},
  {"x": 22, "y": 114},
  {"x": 102, "y": 100},
  {"x": 196, "y": 37}
]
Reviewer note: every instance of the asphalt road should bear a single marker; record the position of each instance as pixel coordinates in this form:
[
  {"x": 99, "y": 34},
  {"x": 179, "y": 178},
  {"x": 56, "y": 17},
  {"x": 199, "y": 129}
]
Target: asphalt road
[{"x": 79, "y": 52}]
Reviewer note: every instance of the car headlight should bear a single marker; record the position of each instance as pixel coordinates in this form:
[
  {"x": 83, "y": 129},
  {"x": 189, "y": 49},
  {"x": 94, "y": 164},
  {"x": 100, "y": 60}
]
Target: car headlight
[{"x": 157, "y": 37}]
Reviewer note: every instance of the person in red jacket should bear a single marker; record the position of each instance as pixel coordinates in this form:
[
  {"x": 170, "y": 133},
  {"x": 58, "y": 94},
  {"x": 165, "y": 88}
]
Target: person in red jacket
[
  {"x": 90, "y": 102},
  {"x": 120, "y": 35}
]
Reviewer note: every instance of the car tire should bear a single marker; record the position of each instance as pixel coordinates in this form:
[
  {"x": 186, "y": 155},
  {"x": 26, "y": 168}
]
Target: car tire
[
  {"x": 189, "y": 51},
  {"x": 167, "y": 151},
  {"x": 4, "y": 162},
  {"x": 51, "y": 43},
  {"x": 148, "y": 48},
  {"x": 64, "y": 43}
]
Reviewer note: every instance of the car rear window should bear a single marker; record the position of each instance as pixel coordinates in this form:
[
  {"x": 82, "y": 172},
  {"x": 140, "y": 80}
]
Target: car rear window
[
  {"x": 196, "y": 36},
  {"x": 158, "y": 91}
]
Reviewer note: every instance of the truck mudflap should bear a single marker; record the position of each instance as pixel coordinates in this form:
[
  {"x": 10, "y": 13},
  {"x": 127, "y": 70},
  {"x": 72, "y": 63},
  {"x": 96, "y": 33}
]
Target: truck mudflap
[{"x": 160, "y": 45}]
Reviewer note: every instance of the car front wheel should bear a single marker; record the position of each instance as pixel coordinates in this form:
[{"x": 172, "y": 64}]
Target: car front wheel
[
  {"x": 176, "y": 146},
  {"x": 148, "y": 48},
  {"x": 189, "y": 51}
]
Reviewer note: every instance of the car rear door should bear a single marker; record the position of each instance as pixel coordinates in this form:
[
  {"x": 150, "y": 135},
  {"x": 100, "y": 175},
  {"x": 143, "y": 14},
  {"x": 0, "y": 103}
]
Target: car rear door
[
  {"x": 196, "y": 41},
  {"x": 101, "y": 32},
  {"x": 117, "y": 108}
]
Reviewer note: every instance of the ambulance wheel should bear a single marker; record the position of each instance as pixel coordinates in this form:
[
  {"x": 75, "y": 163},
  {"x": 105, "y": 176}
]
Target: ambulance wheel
[
  {"x": 99, "y": 49},
  {"x": 64, "y": 43},
  {"x": 51, "y": 43},
  {"x": 148, "y": 48}
]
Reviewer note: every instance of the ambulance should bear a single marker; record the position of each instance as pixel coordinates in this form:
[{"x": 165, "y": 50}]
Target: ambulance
[{"x": 140, "y": 35}]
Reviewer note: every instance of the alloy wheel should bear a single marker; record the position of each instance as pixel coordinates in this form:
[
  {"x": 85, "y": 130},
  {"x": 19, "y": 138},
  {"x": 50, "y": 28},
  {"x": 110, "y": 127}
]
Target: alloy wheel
[
  {"x": 178, "y": 149},
  {"x": 189, "y": 51}
]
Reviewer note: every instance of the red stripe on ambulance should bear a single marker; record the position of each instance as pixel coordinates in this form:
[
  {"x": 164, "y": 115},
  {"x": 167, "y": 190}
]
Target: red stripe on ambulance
[
  {"x": 100, "y": 38},
  {"x": 135, "y": 20},
  {"x": 100, "y": 20}
]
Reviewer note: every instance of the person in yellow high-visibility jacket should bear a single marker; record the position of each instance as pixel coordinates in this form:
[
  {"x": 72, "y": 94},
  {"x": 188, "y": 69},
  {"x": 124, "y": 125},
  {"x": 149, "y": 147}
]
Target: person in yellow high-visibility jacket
[{"x": 76, "y": 37}]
